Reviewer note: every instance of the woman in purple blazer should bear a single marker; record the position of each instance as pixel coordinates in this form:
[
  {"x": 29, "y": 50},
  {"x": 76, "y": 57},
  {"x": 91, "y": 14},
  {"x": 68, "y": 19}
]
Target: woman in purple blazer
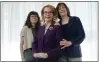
[{"x": 46, "y": 46}]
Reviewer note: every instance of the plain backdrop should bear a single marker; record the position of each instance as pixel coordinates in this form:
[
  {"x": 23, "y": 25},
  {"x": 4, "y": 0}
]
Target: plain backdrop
[{"x": 13, "y": 17}]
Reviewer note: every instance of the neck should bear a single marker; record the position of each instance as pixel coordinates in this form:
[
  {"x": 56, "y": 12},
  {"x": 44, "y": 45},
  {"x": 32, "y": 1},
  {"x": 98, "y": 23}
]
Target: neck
[
  {"x": 48, "y": 23},
  {"x": 33, "y": 25},
  {"x": 64, "y": 18}
]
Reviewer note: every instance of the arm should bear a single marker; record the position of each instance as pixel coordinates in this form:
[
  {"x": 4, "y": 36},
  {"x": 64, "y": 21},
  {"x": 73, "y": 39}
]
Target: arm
[
  {"x": 35, "y": 44},
  {"x": 56, "y": 51},
  {"x": 22, "y": 35},
  {"x": 80, "y": 34},
  {"x": 21, "y": 49}
]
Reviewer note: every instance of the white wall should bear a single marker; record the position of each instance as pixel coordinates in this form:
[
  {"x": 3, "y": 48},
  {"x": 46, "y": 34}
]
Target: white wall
[{"x": 13, "y": 16}]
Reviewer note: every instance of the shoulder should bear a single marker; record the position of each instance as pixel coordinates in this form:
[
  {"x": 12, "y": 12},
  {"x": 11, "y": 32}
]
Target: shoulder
[
  {"x": 57, "y": 23},
  {"x": 23, "y": 31},
  {"x": 25, "y": 28},
  {"x": 40, "y": 27},
  {"x": 76, "y": 21},
  {"x": 74, "y": 17}
]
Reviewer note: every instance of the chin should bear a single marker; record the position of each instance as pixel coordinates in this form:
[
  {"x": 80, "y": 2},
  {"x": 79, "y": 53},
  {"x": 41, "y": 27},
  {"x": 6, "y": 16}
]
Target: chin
[
  {"x": 47, "y": 20},
  {"x": 62, "y": 14}
]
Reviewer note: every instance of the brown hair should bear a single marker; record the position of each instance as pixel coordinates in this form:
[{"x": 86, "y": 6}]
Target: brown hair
[
  {"x": 54, "y": 13},
  {"x": 28, "y": 22},
  {"x": 57, "y": 7}
]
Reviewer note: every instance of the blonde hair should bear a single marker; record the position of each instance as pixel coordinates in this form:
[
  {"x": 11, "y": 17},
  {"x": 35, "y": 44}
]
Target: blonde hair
[{"x": 55, "y": 14}]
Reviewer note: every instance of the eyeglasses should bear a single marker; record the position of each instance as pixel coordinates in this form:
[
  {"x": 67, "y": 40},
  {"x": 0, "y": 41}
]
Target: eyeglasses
[{"x": 50, "y": 12}]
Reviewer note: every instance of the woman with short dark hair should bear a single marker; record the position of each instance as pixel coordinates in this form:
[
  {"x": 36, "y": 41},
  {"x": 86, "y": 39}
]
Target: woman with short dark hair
[{"x": 73, "y": 34}]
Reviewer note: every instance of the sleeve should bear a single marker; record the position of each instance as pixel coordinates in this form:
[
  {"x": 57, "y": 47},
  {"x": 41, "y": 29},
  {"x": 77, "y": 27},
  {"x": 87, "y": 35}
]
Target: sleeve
[
  {"x": 80, "y": 34},
  {"x": 34, "y": 46},
  {"x": 35, "y": 43},
  {"x": 23, "y": 33},
  {"x": 56, "y": 51}
]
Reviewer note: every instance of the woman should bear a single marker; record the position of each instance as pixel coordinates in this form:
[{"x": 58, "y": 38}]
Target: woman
[
  {"x": 28, "y": 34},
  {"x": 73, "y": 34},
  {"x": 46, "y": 45}
]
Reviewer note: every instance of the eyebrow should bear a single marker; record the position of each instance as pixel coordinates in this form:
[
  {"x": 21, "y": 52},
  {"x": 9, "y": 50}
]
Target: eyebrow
[{"x": 33, "y": 15}]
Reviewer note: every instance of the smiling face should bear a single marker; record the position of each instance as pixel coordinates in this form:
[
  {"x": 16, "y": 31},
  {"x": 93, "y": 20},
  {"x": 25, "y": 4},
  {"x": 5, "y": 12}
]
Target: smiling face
[
  {"x": 62, "y": 10},
  {"x": 33, "y": 19},
  {"x": 48, "y": 14}
]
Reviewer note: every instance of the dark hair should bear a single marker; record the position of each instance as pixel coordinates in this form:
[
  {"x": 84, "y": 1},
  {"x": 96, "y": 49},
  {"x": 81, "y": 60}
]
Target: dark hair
[
  {"x": 57, "y": 7},
  {"x": 28, "y": 22}
]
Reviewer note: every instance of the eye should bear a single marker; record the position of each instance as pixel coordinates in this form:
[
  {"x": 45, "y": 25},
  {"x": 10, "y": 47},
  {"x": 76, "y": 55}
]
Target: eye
[{"x": 50, "y": 12}]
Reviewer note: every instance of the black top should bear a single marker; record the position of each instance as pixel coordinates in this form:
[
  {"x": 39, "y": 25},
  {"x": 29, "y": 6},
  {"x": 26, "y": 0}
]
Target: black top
[
  {"x": 74, "y": 32},
  {"x": 64, "y": 30},
  {"x": 33, "y": 32}
]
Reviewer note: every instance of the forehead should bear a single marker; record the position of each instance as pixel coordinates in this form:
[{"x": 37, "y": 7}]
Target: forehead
[
  {"x": 47, "y": 9},
  {"x": 61, "y": 5},
  {"x": 34, "y": 15}
]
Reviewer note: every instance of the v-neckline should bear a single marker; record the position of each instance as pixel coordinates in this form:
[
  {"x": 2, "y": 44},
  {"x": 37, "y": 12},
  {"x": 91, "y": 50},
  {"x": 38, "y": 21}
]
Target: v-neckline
[{"x": 46, "y": 29}]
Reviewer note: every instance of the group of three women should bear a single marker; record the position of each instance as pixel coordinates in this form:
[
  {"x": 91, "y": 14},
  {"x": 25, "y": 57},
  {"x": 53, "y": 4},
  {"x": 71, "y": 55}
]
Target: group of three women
[{"x": 52, "y": 41}]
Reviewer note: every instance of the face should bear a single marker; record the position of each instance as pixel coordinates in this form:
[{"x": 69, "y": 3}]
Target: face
[
  {"x": 48, "y": 14},
  {"x": 33, "y": 19},
  {"x": 62, "y": 10}
]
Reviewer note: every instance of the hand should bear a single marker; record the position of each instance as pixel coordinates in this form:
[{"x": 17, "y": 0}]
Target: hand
[
  {"x": 40, "y": 55},
  {"x": 36, "y": 55},
  {"x": 23, "y": 59},
  {"x": 43, "y": 55},
  {"x": 65, "y": 43}
]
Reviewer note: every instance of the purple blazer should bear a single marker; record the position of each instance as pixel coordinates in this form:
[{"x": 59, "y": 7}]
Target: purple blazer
[{"x": 49, "y": 42}]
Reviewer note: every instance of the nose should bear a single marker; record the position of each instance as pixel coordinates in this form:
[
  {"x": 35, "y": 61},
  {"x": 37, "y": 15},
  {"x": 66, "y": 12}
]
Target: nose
[
  {"x": 34, "y": 17},
  {"x": 61, "y": 8},
  {"x": 47, "y": 14}
]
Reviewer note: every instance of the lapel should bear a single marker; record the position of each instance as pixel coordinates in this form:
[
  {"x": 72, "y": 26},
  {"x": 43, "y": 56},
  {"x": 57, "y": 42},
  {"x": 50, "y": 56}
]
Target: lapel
[
  {"x": 49, "y": 30},
  {"x": 42, "y": 30},
  {"x": 47, "y": 34}
]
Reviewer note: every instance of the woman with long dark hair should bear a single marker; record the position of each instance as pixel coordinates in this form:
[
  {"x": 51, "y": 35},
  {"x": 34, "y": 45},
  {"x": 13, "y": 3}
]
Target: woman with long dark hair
[{"x": 28, "y": 35}]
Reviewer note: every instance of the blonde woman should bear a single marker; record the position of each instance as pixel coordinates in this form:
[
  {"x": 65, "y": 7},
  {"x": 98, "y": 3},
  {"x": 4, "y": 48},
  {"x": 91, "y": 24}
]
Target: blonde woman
[{"x": 46, "y": 45}]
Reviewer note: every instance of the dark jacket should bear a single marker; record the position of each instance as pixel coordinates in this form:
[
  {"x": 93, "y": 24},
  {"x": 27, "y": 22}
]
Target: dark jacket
[
  {"x": 48, "y": 43},
  {"x": 74, "y": 32}
]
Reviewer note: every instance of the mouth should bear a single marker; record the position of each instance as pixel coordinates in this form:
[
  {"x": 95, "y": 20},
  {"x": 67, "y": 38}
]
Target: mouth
[
  {"x": 47, "y": 17},
  {"x": 62, "y": 12}
]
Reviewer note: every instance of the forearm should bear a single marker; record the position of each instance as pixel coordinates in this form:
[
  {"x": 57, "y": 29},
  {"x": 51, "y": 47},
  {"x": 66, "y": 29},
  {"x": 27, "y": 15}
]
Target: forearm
[
  {"x": 54, "y": 52},
  {"x": 21, "y": 50},
  {"x": 78, "y": 40}
]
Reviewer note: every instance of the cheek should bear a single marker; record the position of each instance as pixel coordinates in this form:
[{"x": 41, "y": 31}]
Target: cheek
[
  {"x": 31, "y": 19},
  {"x": 59, "y": 11},
  {"x": 65, "y": 10},
  {"x": 44, "y": 16},
  {"x": 52, "y": 16},
  {"x": 34, "y": 20}
]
